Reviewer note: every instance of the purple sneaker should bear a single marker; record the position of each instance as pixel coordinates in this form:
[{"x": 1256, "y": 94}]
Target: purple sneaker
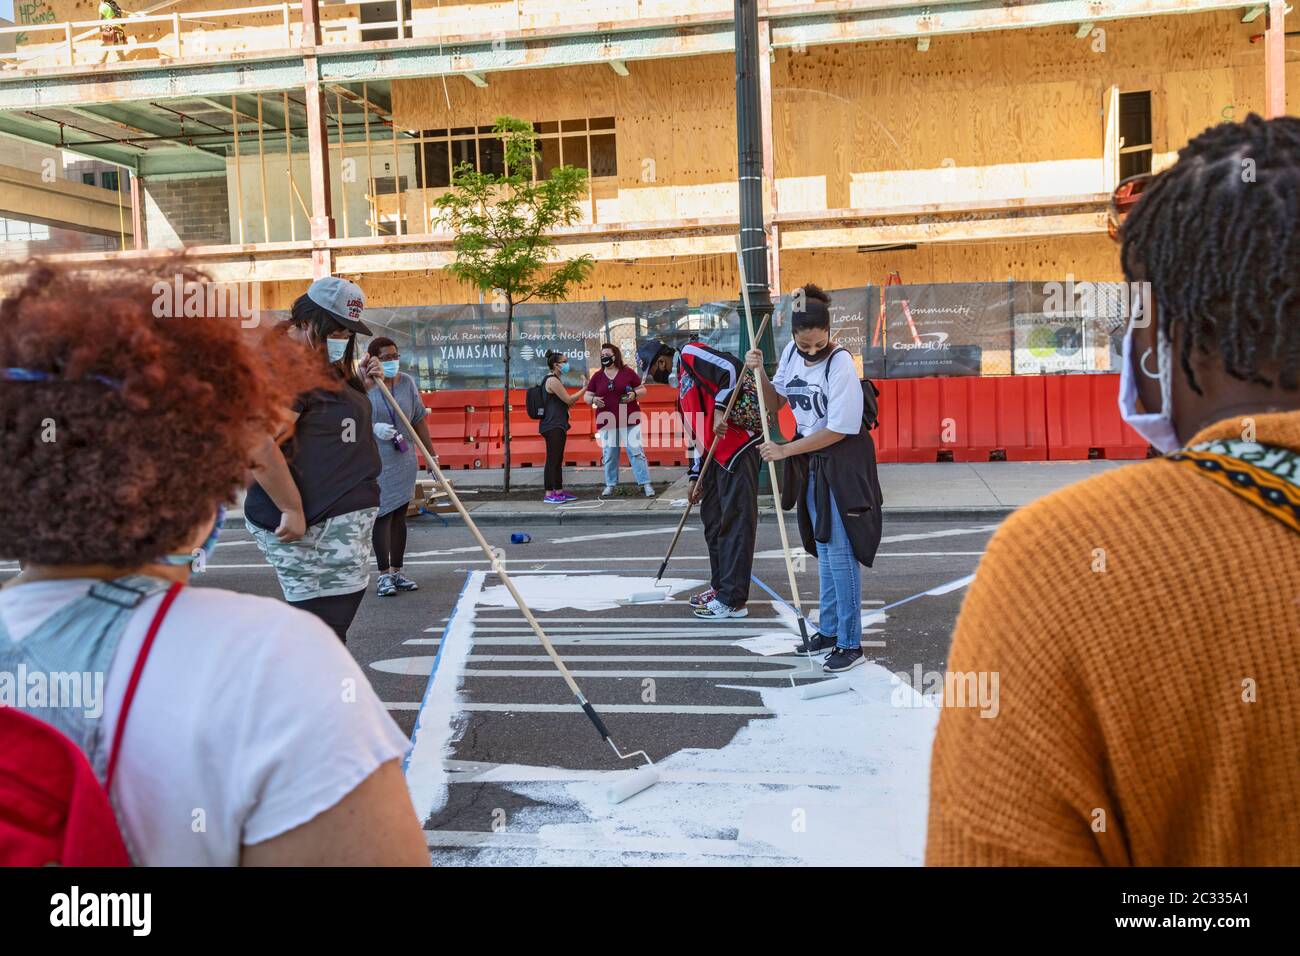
[
  {"x": 568, "y": 495},
  {"x": 554, "y": 498}
]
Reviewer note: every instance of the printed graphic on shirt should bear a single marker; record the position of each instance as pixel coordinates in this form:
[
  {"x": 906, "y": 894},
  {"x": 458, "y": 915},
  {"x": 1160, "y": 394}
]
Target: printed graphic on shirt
[{"x": 805, "y": 396}]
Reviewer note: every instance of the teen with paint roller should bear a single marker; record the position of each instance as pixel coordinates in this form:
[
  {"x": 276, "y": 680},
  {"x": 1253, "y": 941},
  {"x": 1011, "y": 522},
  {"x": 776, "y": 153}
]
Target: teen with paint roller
[
  {"x": 727, "y": 493},
  {"x": 831, "y": 470},
  {"x": 698, "y": 471}
]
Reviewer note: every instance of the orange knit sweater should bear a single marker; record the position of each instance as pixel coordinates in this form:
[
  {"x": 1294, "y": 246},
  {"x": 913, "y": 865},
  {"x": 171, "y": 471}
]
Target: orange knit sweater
[{"x": 1144, "y": 626}]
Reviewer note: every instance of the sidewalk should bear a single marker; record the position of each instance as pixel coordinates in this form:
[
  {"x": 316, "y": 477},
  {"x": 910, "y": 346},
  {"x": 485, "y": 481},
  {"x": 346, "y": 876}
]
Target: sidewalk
[{"x": 942, "y": 491}]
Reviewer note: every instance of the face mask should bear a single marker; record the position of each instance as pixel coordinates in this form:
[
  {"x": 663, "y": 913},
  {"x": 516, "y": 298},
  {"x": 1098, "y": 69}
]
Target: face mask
[
  {"x": 813, "y": 356},
  {"x": 391, "y": 368},
  {"x": 607, "y": 360},
  {"x": 336, "y": 349},
  {"x": 564, "y": 367},
  {"x": 199, "y": 561},
  {"x": 1156, "y": 427}
]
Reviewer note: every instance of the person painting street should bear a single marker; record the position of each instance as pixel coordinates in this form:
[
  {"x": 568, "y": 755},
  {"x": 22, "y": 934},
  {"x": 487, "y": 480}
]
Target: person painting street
[
  {"x": 657, "y": 362},
  {"x": 400, "y": 466},
  {"x": 831, "y": 473},
  {"x": 1142, "y": 624},
  {"x": 727, "y": 493},
  {"x": 330, "y": 461},
  {"x": 554, "y": 427},
  {"x": 613, "y": 392}
]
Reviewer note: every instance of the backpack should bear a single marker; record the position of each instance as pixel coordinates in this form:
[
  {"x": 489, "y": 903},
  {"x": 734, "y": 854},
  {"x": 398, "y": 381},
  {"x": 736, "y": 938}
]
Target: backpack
[
  {"x": 535, "y": 399},
  {"x": 870, "y": 396},
  {"x": 53, "y": 809}
]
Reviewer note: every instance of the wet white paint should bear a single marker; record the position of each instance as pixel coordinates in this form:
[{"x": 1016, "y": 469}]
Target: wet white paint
[
  {"x": 435, "y": 729},
  {"x": 587, "y": 592},
  {"x": 870, "y": 737}
]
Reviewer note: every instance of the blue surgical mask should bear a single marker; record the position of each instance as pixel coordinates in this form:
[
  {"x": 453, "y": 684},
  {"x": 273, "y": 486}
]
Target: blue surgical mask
[
  {"x": 391, "y": 368},
  {"x": 205, "y": 549},
  {"x": 1156, "y": 427},
  {"x": 336, "y": 349},
  {"x": 564, "y": 367}
]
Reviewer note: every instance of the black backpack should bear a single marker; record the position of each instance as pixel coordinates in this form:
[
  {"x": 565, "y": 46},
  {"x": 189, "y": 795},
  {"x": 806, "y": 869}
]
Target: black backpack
[
  {"x": 535, "y": 399},
  {"x": 870, "y": 395}
]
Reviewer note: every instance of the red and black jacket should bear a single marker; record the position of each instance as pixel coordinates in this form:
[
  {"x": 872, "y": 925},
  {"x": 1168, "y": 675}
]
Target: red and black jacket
[{"x": 706, "y": 378}]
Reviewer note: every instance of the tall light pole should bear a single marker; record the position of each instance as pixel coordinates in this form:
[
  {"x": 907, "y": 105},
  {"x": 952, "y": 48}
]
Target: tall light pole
[{"x": 749, "y": 167}]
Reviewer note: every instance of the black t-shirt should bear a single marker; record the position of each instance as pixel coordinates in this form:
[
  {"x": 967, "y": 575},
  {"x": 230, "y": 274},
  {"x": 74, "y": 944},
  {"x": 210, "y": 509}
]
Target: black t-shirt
[
  {"x": 332, "y": 457},
  {"x": 555, "y": 414}
]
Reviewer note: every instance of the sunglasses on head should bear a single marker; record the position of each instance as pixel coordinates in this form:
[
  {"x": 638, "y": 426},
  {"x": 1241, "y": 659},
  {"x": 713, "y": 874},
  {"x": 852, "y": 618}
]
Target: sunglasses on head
[{"x": 1122, "y": 201}]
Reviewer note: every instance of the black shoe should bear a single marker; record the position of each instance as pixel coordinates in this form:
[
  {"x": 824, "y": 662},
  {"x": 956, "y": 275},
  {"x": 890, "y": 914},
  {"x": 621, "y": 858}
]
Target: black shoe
[
  {"x": 817, "y": 643},
  {"x": 843, "y": 660}
]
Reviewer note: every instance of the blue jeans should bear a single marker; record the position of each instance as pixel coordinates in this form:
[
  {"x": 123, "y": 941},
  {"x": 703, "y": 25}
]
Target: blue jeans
[
  {"x": 630, "y": 437},
  {"x": 840, "y": 579}
]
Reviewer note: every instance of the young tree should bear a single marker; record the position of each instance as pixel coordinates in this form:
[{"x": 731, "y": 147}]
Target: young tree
[{"x": 501, "y": 223}]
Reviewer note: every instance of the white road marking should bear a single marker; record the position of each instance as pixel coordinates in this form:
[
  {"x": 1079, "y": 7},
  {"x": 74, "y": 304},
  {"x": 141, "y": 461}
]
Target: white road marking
[
  {"x": 634, "y": 659},
  {"x": 620, "y": 534},
  {"x": 472, "y": 771},
  {"x": 531, "y": 641},
  {"x": 600, "y": 708},
  {"x": 951, "y": 586},
  {"x": 595, "y": 842},
  {"x": 646, "y": 560}
]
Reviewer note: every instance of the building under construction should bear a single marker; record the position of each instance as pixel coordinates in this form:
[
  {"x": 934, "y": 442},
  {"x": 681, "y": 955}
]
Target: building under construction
[{"x": 946, "y": 143}]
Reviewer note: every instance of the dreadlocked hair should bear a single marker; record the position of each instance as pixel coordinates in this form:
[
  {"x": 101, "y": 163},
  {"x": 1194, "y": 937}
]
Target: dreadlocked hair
[{"x": 1216, "y": 236}]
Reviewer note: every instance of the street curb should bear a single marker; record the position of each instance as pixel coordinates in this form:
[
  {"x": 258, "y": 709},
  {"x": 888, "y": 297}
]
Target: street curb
[{"x": 524, "y": 519}]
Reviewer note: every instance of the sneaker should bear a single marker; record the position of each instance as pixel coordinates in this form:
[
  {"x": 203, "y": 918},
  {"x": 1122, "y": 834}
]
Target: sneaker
[
  {"x": 843, "y": 659},
  {"x": 715, "y": 610},
  {"x": 608, "y": 492},
  {"x": 387, "y": 587},
  {"x": 554, "y": 498},
  {"x": 816, "y": 644},
  {"x": 649, "y": 490},
  {"x": 703, "y": 598},
  {"x": 403, "y": 583},
  {"x": 568, "y": 495}
]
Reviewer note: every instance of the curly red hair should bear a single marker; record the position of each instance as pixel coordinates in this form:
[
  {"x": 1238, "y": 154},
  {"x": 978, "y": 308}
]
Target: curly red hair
[{"x": 96, "y": 473}]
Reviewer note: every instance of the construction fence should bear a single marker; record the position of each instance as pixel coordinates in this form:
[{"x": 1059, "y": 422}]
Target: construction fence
[{"x": 983, "y": 371}]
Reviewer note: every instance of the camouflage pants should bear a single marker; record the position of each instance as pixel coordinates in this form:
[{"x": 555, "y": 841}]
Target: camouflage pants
[{"x": 333, "y": 557}]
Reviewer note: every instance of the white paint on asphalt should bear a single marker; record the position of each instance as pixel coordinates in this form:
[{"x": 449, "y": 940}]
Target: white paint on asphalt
[
  {"x": 619, "y": 534},
  {"x": 432, "y": 738},
  {"x": 876, "y": 740},
  {"x": 595, "y": 592}
]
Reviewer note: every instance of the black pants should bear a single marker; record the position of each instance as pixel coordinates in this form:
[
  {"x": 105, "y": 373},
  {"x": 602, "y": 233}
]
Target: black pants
[
  {"x": 390, "y": 539},
  {"x": 729, "y": 510},
  {"x": 554, "y": 472},
  {"x": 337, "y": 610}
]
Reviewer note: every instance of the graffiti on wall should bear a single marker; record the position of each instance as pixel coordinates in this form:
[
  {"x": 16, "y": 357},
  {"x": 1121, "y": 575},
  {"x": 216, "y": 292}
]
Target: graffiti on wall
[{"x": 31, "y": 12}]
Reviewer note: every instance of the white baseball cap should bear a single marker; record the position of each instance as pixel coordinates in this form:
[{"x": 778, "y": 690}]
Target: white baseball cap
[{"x": 342, "y": 299}]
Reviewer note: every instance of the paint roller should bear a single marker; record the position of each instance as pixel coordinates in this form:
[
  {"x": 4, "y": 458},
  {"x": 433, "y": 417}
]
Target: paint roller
[
  {"x": 629, "y": 784},
  {"x": 651, "y": 597}
]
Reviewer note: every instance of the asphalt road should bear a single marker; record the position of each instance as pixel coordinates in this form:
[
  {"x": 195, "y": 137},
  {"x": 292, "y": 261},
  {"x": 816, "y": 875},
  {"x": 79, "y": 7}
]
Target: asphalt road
[{"x": 675, "y": 684}]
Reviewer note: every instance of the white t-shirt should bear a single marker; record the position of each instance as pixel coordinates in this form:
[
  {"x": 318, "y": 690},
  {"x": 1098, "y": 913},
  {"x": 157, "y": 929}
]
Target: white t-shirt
[
  {"x": 250, "y": 719},
  {"x": 827, "y": 394}
]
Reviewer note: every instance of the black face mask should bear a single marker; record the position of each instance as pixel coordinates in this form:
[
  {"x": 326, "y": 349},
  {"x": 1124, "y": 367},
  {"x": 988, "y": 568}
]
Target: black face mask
[
  {"x": 607, "y": 360},
  {"x": 815, "y": 356}
]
